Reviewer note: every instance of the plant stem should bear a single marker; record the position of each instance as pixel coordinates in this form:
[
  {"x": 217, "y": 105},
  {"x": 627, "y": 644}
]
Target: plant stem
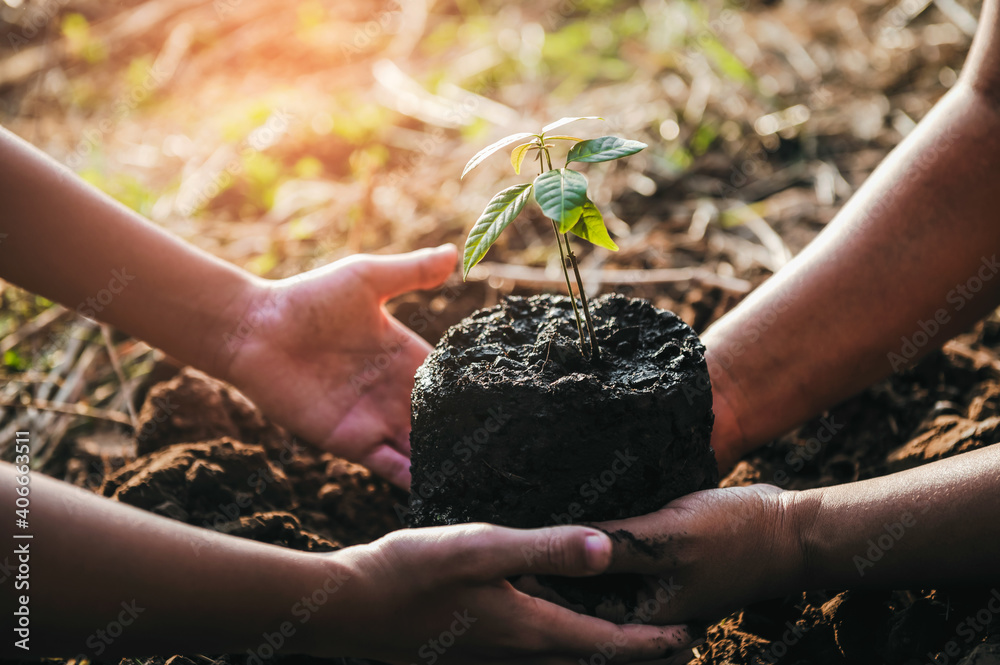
[
  {"x": 569, "y": 288},
  {"x": 595, "y": 350},
  {"x": 562, "y": 261}
]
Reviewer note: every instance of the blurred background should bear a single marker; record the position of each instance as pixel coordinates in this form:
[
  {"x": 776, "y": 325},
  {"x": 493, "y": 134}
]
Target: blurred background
[{"x": 284, "y": 136}]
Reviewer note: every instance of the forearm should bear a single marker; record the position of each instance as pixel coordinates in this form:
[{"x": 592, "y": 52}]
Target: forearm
[
  {"x": 909, "y": 262},
  {"x": 169, "y": 587},
  {"x": 76, "y": 246},
  {"x": 937, "y": 524}
]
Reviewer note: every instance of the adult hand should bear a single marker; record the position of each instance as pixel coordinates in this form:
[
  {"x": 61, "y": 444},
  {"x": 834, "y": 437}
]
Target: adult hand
[
  {"x": 711, "y": 552},
  {"x": 322, "y": 357},
  {"x": 440, "y": 596}
]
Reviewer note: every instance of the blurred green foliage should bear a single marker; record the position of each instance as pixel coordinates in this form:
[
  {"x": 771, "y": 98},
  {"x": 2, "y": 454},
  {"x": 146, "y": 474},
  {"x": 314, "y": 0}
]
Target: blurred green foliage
[
  {"x": 568, "y": 46},
  {"x": 79, "y": 40}
]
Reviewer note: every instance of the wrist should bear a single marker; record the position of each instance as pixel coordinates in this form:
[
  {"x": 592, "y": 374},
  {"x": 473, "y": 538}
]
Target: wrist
[
  {"x": 238, "y": 318},
  {"x": 800, "y": 513},
  {"x": 728, "y": 439},
  {"x": 317, "y": 621}
]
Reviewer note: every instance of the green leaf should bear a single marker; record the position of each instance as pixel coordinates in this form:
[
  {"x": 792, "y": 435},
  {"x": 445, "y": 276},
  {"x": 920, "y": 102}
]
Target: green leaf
[
  {"x": 565, "y": 121},
  {"x": 499, "y": 213},
  {"x": 561, "y": 194},
  {"x": 562, "y": 137},
  {"x": 517, "y": 155},
  {"x": 591, "y": 227},
  {"x": 603, "y": 149},
  {"x": 478, "y": 158},
  {"x": 13, "y": 360}
]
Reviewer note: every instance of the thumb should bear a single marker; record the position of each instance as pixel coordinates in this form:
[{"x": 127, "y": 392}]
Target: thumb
[
  {"x": 423, "y": 269},
  {"x": 390, "y": 464},
  {"x": 573, "y": 551}
]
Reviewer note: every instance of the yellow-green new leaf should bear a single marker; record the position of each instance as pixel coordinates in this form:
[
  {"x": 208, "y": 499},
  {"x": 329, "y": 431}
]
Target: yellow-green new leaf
[
  {"x": 478, "y": 158},
  {"x": 517, "y": 155},
  {"x": 562, "y": 137},
  {"x": 561, "y": 194},
  {"x": 499, "y": 213},
  {"x": 603, "y": 149},
  {"x": 565, "y": 121},
  {"x": 591, "y": 227}
]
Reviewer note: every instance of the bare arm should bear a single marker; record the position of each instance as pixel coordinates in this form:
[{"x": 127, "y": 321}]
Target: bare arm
[
  {"x": 724, "y": 548},
  {"x": 76, "y": 246},
  {"x": 910, "y": 261},
  {"x": 933, "y": 525},
  {"x": 104, "y": 579},
  {"x": 300, "y": 348},
  {"x": 917, "y": 245},
  {"x": 182, "y": 589}
]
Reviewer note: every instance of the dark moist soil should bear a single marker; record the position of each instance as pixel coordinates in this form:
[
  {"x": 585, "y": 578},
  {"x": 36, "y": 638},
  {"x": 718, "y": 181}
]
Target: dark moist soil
[
  {"x": 208, "y": 458},
  {"x": 948, "y": 404},
  {"x": 513, "y": 425}
]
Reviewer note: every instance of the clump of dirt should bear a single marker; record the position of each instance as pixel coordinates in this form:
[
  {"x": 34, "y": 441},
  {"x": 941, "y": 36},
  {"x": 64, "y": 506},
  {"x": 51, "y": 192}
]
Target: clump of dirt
[
  {"x": 513, "y": 425},
  {"x": 194, "y": 407},
  {"x": 208, "y": 458}
]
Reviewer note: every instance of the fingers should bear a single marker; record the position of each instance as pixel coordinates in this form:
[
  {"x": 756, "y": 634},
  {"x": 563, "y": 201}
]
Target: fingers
[
  {"x": 589, "y": 637},
  {"x": 529, "y": 584},
  {"x": 389, "y": 464},
  {"x": 637, "y": 543},
  {"x": 644, "y": 544},
  {"x": 422, "y": 269},
  {"x": 494, "y": 553}
]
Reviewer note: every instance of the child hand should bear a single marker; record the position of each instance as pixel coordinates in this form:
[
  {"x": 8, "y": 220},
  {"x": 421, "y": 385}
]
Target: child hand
[{"x": 322, "y": 357}]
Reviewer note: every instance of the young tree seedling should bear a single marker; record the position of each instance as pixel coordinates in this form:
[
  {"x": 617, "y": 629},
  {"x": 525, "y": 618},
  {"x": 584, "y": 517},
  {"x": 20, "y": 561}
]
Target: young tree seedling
[{"x": 562, "y": 196}]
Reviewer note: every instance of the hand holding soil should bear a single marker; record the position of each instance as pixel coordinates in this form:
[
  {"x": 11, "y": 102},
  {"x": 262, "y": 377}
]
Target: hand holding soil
[
  {"x": 418, "y": 581},
  {"x": 437, "y": 591},
  {"x": 326, "y": 361},
  {"x": 710, "y": 552}
]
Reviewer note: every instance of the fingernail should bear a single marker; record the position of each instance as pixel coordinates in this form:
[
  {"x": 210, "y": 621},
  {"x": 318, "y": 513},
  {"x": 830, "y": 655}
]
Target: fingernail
[{"x": 598, "y": 549}]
